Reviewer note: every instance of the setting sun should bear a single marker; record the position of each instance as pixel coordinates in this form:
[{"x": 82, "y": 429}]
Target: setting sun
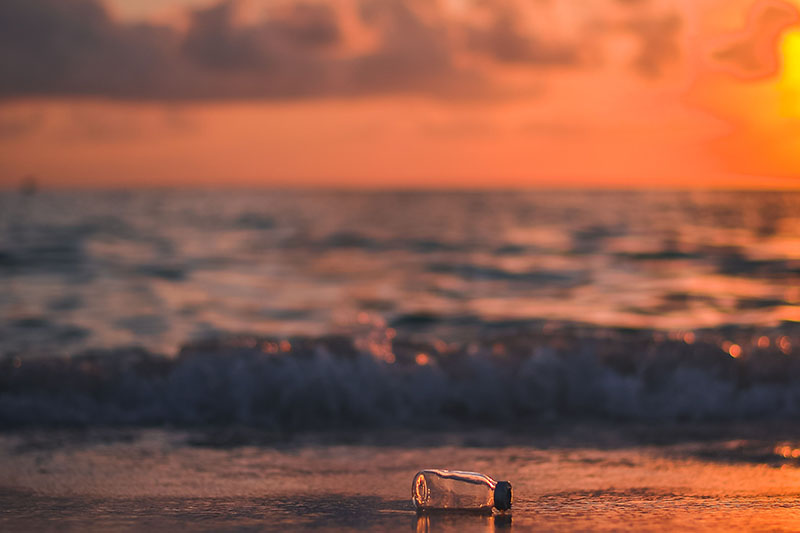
[{"x": 789, "y": 83}]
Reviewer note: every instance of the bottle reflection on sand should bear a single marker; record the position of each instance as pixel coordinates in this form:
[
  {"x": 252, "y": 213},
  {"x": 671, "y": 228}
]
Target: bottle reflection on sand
[{"x": 443, "y": 522}]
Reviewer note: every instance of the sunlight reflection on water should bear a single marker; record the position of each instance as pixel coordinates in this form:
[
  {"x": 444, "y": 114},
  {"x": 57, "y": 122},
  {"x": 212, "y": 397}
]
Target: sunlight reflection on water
[{"x": 103, "y": 269}]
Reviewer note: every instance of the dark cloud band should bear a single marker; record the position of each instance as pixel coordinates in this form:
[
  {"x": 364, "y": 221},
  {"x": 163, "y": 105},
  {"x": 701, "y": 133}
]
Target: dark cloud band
[{"x": 74, "y": 48}]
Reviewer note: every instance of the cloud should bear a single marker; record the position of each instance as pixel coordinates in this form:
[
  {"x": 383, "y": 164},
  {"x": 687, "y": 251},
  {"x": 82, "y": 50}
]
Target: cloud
[
  {"x": 658, "y": 37},
  {"x": 753, "y": 52},
  {"x": 504, "y": 41},
  {"x": 73, "y": 47},
  {"x": 412, "y": 55},
  {"x": 302, "y": 49},
  {"x": 215, "y": 41}
]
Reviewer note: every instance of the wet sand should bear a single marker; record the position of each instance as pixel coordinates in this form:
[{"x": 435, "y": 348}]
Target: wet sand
[{"x": 153, "y": 480}]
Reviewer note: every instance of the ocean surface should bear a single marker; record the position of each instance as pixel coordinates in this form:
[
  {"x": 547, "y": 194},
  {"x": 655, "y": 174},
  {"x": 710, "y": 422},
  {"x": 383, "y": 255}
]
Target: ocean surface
[
  {"x": 87, "y": 270},
  {"x": 262, "y": 360},
  {"x": 309, "y": 310}
]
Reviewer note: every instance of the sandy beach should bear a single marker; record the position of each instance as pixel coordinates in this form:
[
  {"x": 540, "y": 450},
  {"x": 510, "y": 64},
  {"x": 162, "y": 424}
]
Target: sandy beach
[{"x": 156, "y": 480}]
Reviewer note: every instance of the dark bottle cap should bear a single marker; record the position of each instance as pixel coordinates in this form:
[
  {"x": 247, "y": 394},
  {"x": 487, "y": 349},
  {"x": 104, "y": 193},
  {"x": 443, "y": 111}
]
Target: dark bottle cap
[{"x": 502, "y": 495}]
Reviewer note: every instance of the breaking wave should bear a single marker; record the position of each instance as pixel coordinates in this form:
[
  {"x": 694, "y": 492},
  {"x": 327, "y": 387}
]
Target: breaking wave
[{"x": 380, "y": 381}]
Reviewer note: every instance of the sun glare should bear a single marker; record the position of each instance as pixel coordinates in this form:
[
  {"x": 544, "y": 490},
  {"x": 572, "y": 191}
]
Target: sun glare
[{"x": 789, "y": 83}]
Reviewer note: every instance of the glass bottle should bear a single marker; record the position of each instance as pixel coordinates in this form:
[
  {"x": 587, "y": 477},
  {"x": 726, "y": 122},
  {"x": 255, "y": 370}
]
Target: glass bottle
[{"x": 450, "y": 489}]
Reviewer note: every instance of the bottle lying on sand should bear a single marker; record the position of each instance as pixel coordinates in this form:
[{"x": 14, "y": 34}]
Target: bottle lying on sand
[{"x": 450, "y": 489}]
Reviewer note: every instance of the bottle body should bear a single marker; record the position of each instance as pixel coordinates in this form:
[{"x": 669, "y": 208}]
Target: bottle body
[{"x": 450, "y": 489}]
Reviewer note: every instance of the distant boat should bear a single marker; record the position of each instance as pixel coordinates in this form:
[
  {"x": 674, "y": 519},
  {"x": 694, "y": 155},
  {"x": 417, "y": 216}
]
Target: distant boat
[{"x": 28, "y": 186}]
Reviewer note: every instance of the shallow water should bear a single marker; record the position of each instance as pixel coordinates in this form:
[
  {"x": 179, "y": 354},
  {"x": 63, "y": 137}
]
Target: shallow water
[
  {"x": 159, "y": 269},
  {"x": 586, "y": 480}
]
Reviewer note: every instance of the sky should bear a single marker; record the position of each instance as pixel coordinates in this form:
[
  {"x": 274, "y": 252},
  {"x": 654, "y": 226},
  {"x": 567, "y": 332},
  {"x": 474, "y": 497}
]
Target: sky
[{"x": 401, "y": 93}]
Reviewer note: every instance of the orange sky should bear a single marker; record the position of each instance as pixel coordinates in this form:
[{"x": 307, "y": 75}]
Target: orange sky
[{"x": 645, "y": 93}]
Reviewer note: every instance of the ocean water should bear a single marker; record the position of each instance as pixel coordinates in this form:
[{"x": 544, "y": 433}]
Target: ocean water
[
  {"x": 157, "y": 269},
  {"x": 309, "y": 310},
  {"x": 262, "y": 360}
]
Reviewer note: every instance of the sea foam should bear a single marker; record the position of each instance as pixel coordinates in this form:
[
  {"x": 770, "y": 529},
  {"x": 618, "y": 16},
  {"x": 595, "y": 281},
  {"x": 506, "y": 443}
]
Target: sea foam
[{"x": 337, "y": 382}]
